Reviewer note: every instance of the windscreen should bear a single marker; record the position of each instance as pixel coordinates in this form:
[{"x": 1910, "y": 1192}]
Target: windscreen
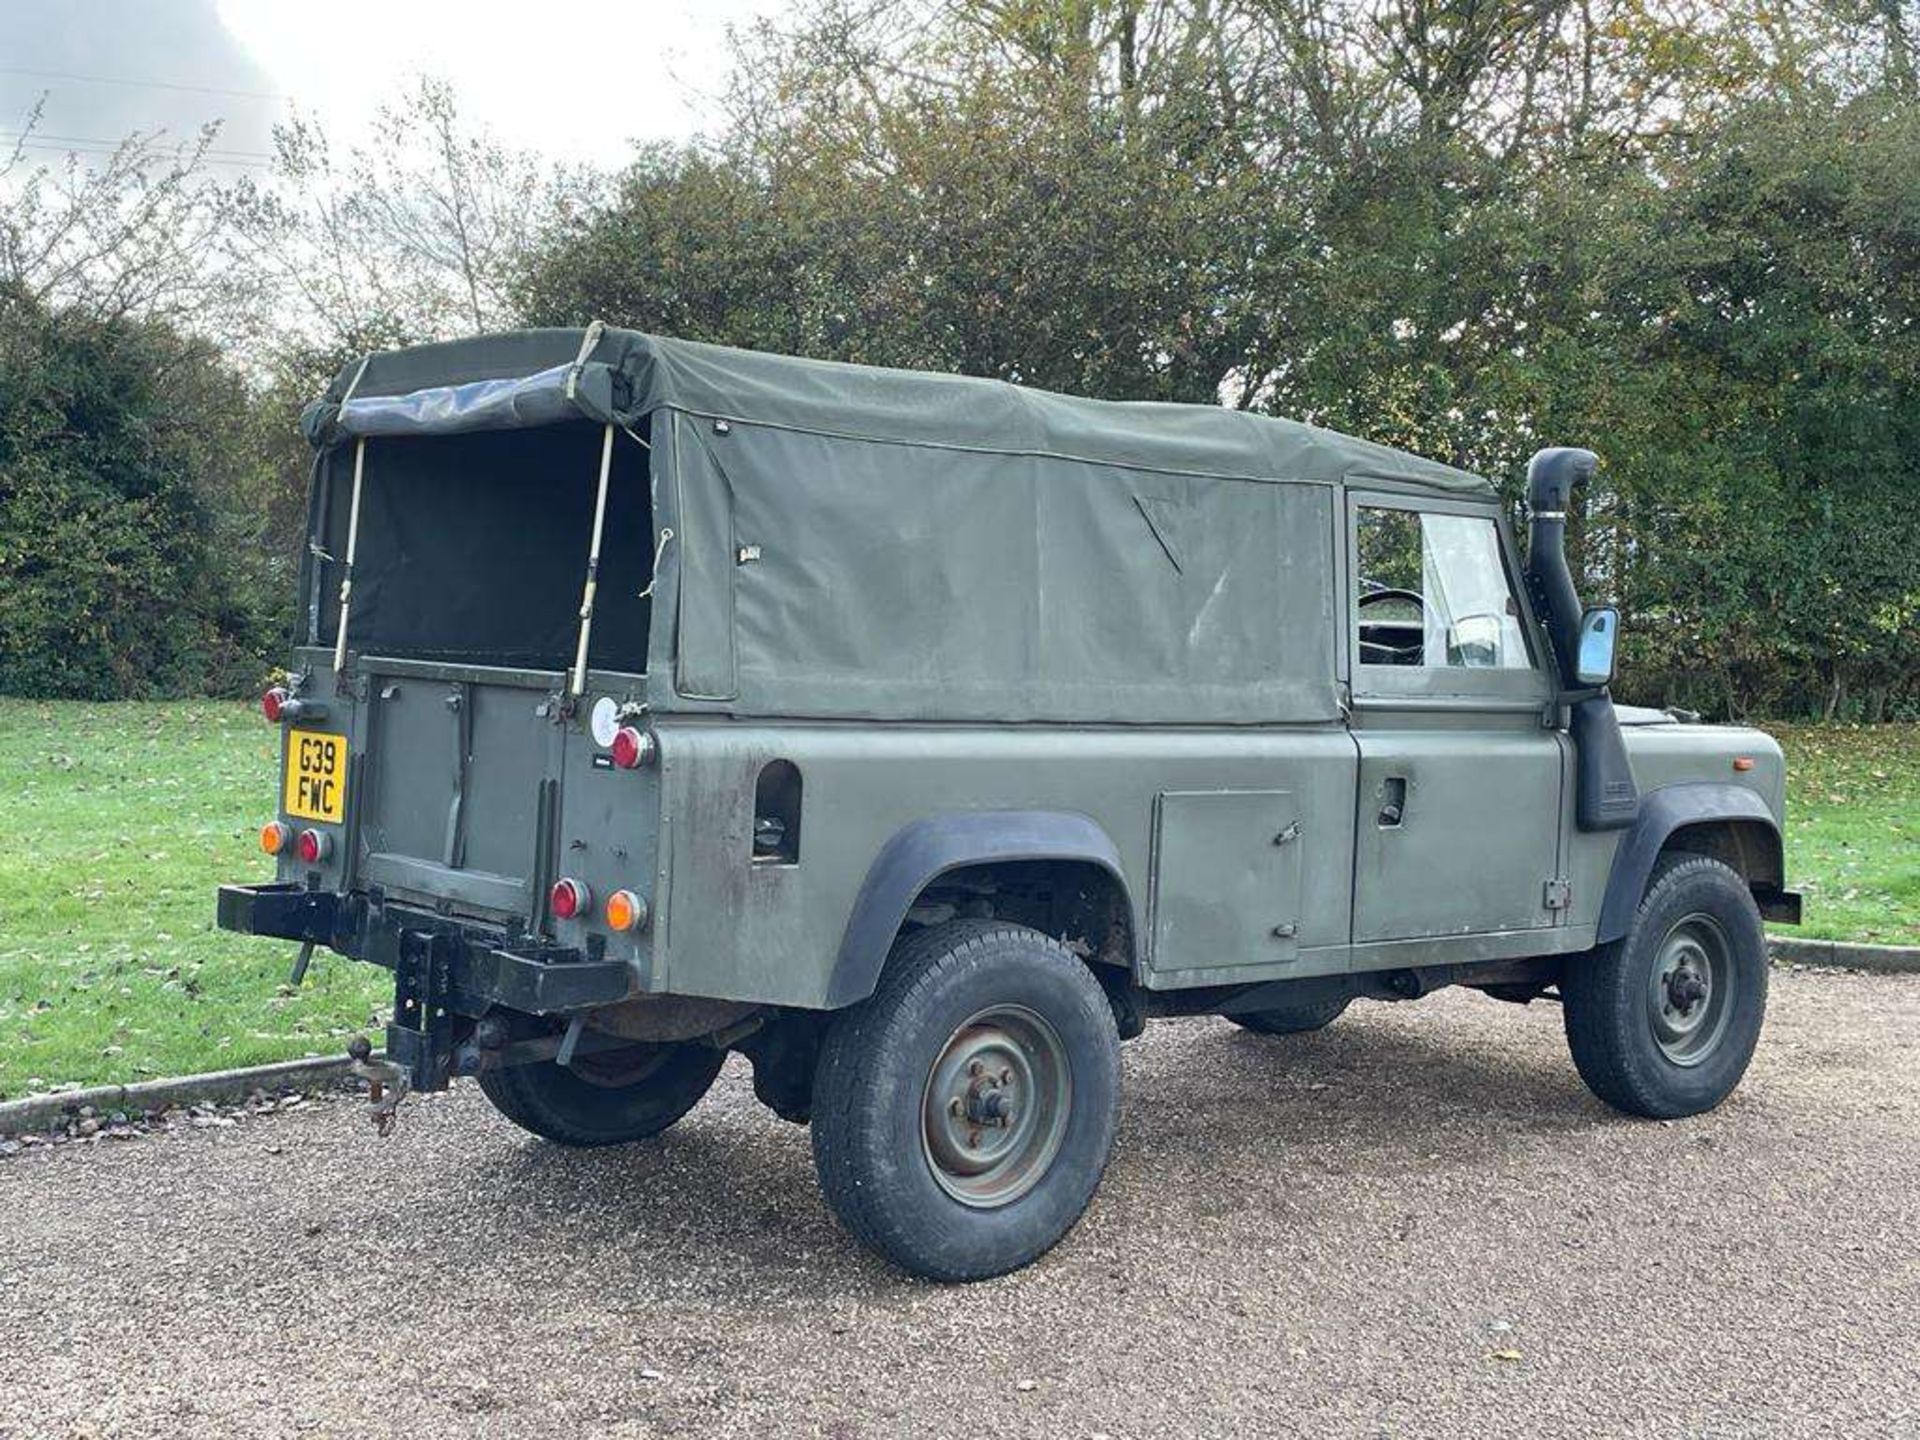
[{"x": 473, "y": 548}]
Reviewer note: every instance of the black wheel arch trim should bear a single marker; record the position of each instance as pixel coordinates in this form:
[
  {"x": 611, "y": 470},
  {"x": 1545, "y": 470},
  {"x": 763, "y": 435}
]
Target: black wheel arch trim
[
  {"x": 1664, "y": 811},
  {"x": 921, "y": 852}
]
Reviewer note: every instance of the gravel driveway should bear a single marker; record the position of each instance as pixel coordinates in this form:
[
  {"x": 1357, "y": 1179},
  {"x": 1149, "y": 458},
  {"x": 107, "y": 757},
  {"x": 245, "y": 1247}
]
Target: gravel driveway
[{"x": 1415, "y": 1223}]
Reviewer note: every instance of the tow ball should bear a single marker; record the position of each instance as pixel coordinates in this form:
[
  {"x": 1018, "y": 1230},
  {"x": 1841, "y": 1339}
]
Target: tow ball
[{"x": 387, "y": 1084}]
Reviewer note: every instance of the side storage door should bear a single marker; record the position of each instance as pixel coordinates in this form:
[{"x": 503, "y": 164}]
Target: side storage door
[
  {"x": 1459, "y": 821},
  {"x": 1226, "y": 883}
]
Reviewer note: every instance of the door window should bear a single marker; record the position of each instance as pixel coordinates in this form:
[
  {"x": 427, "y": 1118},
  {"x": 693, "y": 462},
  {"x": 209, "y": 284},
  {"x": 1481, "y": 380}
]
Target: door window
[{"x": 1431, "y": 592}]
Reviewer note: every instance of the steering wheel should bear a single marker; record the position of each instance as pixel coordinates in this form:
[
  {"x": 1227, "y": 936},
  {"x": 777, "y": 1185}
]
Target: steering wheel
[{"x": 1408, "y": 637}]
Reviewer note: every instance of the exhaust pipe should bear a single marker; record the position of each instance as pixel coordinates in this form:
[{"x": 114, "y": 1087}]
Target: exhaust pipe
[{"x": 1605, "y": 795}]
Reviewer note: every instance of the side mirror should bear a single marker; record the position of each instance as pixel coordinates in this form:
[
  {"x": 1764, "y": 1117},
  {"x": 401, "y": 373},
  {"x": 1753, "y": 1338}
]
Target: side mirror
[{"x": 1594, "y": 660}]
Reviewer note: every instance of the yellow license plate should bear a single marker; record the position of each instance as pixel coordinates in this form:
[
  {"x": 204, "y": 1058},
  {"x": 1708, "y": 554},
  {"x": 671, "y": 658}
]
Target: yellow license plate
[{"x": 316, "y": 775}]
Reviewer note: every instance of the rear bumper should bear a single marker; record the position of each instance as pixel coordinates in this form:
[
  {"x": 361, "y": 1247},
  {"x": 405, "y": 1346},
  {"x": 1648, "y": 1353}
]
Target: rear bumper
[
  {"x": 290, "y": 912},
  {"x": 447, "y": 972},
  {"x": 483, "y": 966}
]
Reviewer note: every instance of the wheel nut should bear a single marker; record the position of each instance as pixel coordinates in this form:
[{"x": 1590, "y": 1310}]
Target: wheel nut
[
  {"x": 976, "y": 1069},
  {"x": 956, "y": 1107},
  {"x": 1006, "y": 1076}
]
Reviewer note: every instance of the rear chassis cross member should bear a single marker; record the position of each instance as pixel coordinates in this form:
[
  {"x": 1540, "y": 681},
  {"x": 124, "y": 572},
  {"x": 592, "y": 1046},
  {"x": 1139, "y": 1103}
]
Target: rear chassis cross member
[{"x": 448, "y": 974}]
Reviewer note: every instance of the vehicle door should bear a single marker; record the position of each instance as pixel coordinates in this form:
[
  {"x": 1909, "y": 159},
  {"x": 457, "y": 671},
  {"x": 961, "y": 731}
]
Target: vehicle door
[{"x": 1458, "y": 829}]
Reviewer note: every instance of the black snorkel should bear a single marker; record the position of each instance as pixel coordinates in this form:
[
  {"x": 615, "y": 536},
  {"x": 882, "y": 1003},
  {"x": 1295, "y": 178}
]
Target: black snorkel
[{"x": 1606, "y": 797}]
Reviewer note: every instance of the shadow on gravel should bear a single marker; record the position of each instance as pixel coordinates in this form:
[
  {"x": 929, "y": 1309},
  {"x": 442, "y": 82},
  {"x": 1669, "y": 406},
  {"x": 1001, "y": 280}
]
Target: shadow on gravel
[
  {"x": 1216, "y": 1121},
  {"x": 720, "y": 1205},
  {"x": 1376, "y": 1067}
]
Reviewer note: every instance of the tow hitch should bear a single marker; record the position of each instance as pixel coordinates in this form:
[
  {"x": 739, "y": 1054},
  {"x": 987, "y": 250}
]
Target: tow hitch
[{"x": 387, "y": 1084}]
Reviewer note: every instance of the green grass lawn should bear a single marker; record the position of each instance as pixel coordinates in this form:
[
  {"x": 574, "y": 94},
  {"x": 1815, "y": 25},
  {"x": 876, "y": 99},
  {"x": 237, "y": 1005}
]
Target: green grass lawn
[
  {"x": 117, "y": 822},
  {"x": 1853, "y": 830}
]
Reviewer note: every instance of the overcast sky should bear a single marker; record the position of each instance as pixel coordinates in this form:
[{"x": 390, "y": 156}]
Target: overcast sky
[{"x": 577, "y": 82}]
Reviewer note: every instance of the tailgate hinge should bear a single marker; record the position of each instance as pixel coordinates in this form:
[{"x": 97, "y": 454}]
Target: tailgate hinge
[{"x": 1558, "y": 895}]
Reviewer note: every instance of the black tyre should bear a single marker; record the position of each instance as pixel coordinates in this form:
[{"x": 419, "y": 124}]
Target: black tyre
[
  {"x": 607, "y": 1098},
  {"x": 962, "y": 1116},
  {"x": 1662, "y": 1022},
  {"x": 1294, "y": 1019}
]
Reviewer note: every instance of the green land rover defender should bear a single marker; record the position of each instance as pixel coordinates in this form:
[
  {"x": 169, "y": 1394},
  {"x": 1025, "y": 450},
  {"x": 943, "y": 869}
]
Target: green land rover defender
[{"x": 921, "y": 737}]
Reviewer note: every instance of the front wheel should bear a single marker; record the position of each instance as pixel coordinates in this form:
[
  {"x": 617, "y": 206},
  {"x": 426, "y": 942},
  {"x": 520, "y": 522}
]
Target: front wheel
[
  {"x": 1662, "y": 1022},
  {"x": 962, "y": 1116},
  {"x": 607, "y": 1097}
]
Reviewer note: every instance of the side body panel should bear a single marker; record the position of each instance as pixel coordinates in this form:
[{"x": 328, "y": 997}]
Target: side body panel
[
  {"x": 732, "y": 929},
  {"x": 1668, "y": 755}
]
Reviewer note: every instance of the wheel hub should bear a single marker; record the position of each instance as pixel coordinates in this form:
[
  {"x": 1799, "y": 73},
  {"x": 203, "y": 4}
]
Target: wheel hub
[
  {"x": 1687, "y": 998},
  {"x": 1685, "y": 989},
  {"x": 990, "y": 1102},
  {"x": 995, "y": 1106}
]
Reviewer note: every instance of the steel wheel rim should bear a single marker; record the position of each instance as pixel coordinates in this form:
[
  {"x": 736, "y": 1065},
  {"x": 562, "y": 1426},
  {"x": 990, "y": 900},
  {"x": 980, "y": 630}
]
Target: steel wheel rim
[
  {"x": 994, "y": 1110},
  {"x": 1690, "y": 990}
]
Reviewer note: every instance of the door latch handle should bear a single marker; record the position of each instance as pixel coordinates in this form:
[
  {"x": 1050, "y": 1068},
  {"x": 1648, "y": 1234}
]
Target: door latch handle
[{"x": 1393, "y": 802}]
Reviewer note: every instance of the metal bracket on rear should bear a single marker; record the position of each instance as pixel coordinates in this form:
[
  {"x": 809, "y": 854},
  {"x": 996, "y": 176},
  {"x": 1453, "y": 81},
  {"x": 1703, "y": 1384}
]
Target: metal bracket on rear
[
  {"x": 387, "y": 1084},
  {"x": 298, "y": 974}
]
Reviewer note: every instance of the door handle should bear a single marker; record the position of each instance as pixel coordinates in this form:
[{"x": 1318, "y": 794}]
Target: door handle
[{"x": 1393, "y": 802}]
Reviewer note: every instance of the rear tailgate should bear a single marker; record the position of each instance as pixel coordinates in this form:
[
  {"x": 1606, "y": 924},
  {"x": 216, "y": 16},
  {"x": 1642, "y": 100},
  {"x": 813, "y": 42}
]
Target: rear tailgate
[{"x": 462, "y": 784}]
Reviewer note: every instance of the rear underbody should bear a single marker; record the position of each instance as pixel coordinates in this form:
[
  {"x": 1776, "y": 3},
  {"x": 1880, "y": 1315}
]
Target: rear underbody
[{"x": 470, "y": 996}]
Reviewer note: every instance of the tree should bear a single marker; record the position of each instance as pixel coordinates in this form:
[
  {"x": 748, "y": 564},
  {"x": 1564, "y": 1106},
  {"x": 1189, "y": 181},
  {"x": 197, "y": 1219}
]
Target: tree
[
  {"x": 123, "y": 569},
  {"x": 415, "y": 237},
  {"x": 121, "y": 238},
  {"x": 1673, "y": 229},
  {"x": 129, "y": 562}
]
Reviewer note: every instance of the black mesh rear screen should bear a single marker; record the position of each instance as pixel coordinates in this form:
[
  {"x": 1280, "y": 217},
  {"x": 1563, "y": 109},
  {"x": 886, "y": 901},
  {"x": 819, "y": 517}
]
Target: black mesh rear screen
[{"x": 474, "y": 548}]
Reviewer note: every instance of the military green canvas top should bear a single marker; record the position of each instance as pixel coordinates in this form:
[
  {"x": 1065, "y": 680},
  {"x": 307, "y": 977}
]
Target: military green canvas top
[
  {"x": 848, "y": 542},
  {"x": 533, "y": 377}
]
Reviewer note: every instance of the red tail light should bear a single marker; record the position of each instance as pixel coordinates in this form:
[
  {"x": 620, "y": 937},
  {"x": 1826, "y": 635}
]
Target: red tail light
[
  {"x": 273, "y": 704},
  {"x": 632, "y": 748},
  {"x": 313, "y": 846},
  {"x": 569, "y": 898}
]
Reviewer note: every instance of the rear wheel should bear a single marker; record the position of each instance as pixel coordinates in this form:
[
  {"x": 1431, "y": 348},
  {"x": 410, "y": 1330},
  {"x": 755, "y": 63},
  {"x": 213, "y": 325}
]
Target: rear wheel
[
  {"x": 1662, "y": 1022},
  {"x": 608, "y": 1097},
  {"x": 962, "y": 1116},
  {"x": 1293, "y": 1019}
]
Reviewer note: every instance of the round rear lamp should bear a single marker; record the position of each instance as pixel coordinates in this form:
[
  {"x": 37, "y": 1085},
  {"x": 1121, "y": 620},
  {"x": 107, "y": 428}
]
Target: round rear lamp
[
  {"x": 632, "y": 748},
  {"x": 275, "y": 836},
  {"x": 273, "y": 704},
  {"x": 626, "y": 911},
  {"x": 313, "y": 846},
  {"x": 569, "y": 898}
]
